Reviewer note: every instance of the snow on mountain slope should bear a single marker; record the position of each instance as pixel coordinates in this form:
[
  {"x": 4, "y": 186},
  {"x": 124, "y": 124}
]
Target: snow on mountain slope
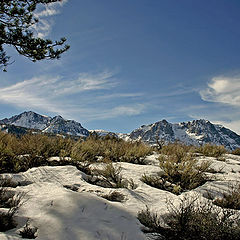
[
  {"x": 56, "y": 125},
  {"x": 102, "y": 133},
  {"x": 28, "y": 120},
  {"x": 194, "y": 132}
]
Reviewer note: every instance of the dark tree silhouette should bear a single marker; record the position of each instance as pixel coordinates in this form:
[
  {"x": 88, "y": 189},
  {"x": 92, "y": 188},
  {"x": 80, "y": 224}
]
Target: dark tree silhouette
[{"x": 16, "y": 21}]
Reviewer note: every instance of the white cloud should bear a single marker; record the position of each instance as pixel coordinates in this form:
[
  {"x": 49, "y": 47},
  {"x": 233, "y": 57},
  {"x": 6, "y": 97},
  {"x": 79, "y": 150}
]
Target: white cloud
[
  {"x": 44, "y": 26},
  {"x": 121, "y": 95},
  {"x": 46, "y": 92},
  {"x": 120, "y": 110},
  {"x": 86, "y": 82},
  {"x": 54, "y": 94},
  {"x": 128, "y": 110},
  {"x": 223, "y": 90}
]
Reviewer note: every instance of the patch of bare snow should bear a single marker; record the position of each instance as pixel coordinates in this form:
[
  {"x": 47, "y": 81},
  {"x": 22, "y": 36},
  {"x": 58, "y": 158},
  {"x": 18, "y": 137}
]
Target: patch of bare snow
[{"x": 60, "y": 213}]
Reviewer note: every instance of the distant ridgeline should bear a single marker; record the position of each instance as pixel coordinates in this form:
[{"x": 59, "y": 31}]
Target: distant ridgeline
[
  {"x": 196, "y": 132},
  {"x": 45, "y": 124}
]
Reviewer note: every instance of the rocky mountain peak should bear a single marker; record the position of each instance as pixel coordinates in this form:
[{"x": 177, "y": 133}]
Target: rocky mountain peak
[
  {"x": 57, "y": 124},
  {"x": 194, "y": 132}
]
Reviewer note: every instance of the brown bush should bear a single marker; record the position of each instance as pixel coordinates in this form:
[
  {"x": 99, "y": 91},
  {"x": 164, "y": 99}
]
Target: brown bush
[
  {"x": 231, "y": 199},
  {"x": 181, "y": 168},
  {"x": 114, "y": 196},
  {"x": 210, "y": 150},
  {"x": 110, "y": 148},
  {"x": 236, "y": 151},
  {"x": 192, "y": 220}
]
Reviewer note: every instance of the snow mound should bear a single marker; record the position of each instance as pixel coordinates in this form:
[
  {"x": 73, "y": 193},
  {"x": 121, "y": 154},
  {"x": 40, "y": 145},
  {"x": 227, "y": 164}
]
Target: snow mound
[{"x": 63, "y": 206}]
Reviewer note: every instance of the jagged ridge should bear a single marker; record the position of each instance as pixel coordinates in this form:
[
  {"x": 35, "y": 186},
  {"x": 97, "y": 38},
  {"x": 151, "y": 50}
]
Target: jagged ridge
[
  {"x": 196, "y": 132},
  {"x": 56, "y": 125}
]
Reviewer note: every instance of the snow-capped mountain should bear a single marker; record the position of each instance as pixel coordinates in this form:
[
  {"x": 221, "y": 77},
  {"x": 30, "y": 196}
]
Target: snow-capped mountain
[
  {"x": 28, "y": 120},
  {"x": 56, "y": 125},
  {"x": 102, "y": 133},
  {"x": 194, "y": 132}
]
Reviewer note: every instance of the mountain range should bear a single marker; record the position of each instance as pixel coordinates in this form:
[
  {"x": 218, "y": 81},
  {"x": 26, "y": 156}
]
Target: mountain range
[
  {"x": 55, "y": 125},
  {"x": 196, "y": 132}
]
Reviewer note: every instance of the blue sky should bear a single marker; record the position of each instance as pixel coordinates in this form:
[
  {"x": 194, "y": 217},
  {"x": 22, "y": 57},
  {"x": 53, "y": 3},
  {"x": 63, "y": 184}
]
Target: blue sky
[{"x": 133, "y": 62}]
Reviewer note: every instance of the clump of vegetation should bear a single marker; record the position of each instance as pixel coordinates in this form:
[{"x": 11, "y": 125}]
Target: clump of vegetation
[
  {"x": 181, "y": 170},
  {"x": 10, "y": 202},
  {"x": 114, "y": 196},
  {"x": 110, "y": 148},
  {"x": 231, "y": 199},
  {"x": 88, "y": 150},
  {"x": 83, "y": 166},
  {"x": 151, "y": 220},
  {"x": 45, "y": 146},
  {"x": 28, "y": 231},
  {"x": 109, "y": 176},
  {"x": 157, "y": 182},
  {"x": 176, "y": 148},
  {"x": 31, "y": 150},
  {"x": 192, "y": 220},
  {"x": 210, "y": 150},
  {"x": 236, "y": 151},
  {"x": 135, "y": 152}
]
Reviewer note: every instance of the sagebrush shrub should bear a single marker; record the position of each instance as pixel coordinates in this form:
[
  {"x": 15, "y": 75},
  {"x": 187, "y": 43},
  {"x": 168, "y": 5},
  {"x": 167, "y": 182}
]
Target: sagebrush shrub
[
  {"x": 28, "y": 231},
  {"x": 9, "y": 201},
  {"x": 111, "y": 176},
  {"x": 110, "y": 148},
  {"x": 31, "y": 150},
  {"x": 236, "y": 151},
  {"x": 210, "y": 150},
  {"x": 191, "y": 220},
  {"x": 135, "y": 152},
  {"x": 45, "y": 146},
  {"x": 150, "y": 220},
  {"x": 231, "y": 199},
  {"x": 181, "y": 168},
  {"x": 114, "y": 196},
  {"x": 87, "y": 150}
]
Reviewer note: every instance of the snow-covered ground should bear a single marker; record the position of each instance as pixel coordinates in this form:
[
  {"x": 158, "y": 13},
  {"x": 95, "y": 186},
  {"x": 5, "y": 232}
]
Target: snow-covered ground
[{"x": 60, "y": 213}]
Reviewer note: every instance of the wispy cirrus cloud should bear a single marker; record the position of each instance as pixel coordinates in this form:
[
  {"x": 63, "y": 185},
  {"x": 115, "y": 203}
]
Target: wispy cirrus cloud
[
  {"x": 55, "y": 94},
  {"x": 121, "y": 95},
  {"x": 44, "y": 25},
  {"x": 109, "y": 113},
  {"x": 45, "y": 92}
]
